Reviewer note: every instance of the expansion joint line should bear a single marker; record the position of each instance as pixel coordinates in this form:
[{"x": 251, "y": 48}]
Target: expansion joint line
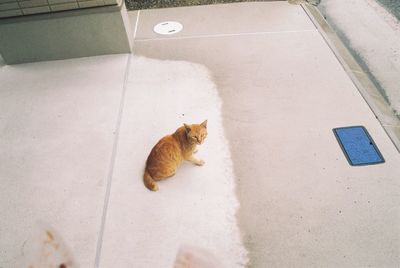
[{"x": 112, "y": 164}]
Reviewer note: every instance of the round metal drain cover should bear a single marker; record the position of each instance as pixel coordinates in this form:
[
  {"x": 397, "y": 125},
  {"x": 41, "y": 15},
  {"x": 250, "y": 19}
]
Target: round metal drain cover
[{"x": 168, "y": 27}]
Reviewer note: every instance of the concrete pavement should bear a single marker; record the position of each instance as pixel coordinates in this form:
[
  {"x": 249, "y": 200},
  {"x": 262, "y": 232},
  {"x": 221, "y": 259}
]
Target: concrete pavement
[{"x": 276, "y": 189}]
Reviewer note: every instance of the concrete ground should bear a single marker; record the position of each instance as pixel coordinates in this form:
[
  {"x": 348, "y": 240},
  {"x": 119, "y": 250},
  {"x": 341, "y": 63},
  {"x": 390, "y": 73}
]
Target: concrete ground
[
  {"x": 276, "y": 189},
  {"x": 373, "y": 36}
]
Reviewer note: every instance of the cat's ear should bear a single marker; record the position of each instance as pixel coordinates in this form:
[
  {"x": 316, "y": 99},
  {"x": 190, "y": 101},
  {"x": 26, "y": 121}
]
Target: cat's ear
[
  {"x": 187, "y": 127},
  {"x": 204, "y": 124}
]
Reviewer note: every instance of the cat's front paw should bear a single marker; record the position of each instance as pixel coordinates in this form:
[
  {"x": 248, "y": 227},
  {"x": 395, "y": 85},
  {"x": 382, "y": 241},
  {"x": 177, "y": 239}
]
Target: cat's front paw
[
  {"x": 155, "y": 188},
  {"x": 200, "y": 162}
]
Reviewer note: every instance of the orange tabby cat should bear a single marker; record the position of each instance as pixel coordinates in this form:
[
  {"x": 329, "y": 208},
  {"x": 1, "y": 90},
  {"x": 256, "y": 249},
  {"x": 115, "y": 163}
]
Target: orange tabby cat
[{"x": 170, "y": 151}]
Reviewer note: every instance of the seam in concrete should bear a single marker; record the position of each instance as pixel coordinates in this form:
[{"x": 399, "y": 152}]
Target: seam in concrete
[
  {"x": 391, "y": 126},
  {"x": 356, "y": 71},
  {"x": 112, "y": 164},
  {"x": 366, "y": 88},
  {"x": 222, "y": 35}
]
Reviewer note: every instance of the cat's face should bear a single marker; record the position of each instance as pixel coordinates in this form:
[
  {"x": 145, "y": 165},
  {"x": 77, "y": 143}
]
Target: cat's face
[{"x": 196, "y": 133}]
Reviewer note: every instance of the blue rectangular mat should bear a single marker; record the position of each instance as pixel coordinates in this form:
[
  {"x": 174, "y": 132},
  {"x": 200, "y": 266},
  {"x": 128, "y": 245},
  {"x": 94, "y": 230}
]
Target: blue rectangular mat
[{"x": 358, "y": 146}]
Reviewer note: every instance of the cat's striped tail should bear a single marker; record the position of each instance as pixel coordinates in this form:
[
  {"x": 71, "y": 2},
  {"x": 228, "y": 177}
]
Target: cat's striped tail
[{"x": 149, "y": 182}]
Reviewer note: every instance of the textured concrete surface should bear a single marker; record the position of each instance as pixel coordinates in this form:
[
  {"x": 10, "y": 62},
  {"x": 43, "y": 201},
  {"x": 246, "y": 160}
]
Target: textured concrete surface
[
  {"x": 366, "y": 85},
  {"x": 57, "y": 129},
  {"x": 195, "y": 207},
  {"x": 373, "y": 36},
  {"x": 392, "y": 6},
  {"x": 75, "y": 133},
  {"x": 251, "y": 19},
  {"x": 301, "y": 204},
  {"x": 70, "y": 34}
]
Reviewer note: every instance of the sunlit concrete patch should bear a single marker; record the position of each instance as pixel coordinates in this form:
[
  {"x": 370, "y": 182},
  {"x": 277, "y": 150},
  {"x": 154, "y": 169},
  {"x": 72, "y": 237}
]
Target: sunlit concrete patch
[
  {"x": 45, "y": 247},
  {"x": 195, "y": 207},
  {"x": 301, "y": 203}
]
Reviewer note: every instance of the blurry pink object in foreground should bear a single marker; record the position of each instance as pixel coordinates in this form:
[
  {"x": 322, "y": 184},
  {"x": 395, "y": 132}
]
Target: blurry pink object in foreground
[{"x": 192, "y": 257}]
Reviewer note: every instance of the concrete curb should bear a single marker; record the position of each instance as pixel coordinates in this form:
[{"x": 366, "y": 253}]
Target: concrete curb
[{"x": 379, "y": 106}]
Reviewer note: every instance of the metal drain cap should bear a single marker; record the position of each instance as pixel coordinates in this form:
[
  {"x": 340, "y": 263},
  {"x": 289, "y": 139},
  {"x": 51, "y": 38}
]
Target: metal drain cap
[{"x": 168, "y": 27}]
